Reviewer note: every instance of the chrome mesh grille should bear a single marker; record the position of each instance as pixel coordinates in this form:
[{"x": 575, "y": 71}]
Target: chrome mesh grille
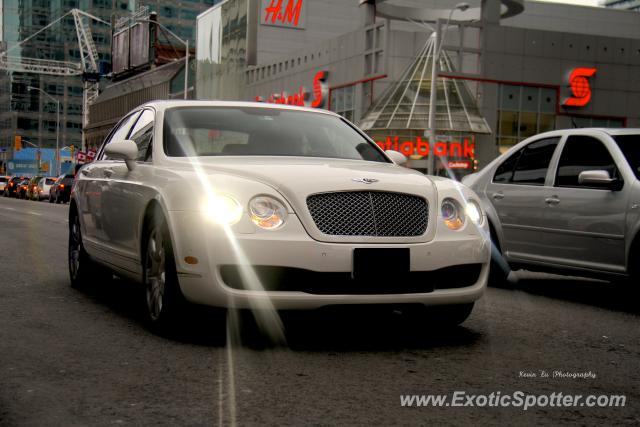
[{"x": 369, "y": 213}]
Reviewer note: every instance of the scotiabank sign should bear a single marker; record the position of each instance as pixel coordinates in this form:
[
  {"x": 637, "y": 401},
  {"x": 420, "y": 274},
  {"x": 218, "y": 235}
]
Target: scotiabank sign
[
  {"x": 317, "y": 98},
  {"x": 284, "y": 13},
  {"x": 580, "y": 87},
  {"x": 420, "y": 147}
]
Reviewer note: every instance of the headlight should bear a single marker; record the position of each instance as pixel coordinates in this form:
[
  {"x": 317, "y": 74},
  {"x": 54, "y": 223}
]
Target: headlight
[
  {"x": 452, "y": 214},
  {"x": 223, "y": 209},
  {"x": 267, "y": 212},
  {"x": 474, "y": 212}
]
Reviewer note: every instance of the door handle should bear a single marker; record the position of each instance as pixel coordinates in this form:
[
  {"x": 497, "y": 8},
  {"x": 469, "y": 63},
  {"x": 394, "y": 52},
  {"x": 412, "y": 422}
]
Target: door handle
[
  {"x": 553, "y": 200},
  {"x": 107, "y": 173},
  {"x": 498, "y": 196}
]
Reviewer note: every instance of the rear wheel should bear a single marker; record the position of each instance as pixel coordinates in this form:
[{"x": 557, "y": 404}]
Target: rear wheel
[{"x": 82, "y": 269}]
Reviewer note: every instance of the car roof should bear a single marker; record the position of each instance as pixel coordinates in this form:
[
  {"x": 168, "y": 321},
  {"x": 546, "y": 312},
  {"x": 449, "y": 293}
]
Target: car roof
[{"x": 176, "y": 103}]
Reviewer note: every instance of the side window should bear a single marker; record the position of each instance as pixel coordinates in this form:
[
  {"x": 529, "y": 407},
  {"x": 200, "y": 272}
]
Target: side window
[
  {"x": 504, "y": 173},
  {"x": 142, "y": 133},
  {"x": 583, "y": 153},
  {"x": 528, "y": 166},
  {"x": 533, "y": 164},
  {"x": 120, "y": 132}
]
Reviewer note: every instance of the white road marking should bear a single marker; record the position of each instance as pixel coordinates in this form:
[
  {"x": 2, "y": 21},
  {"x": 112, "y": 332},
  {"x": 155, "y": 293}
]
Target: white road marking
[{"x": 34, "y": 213}]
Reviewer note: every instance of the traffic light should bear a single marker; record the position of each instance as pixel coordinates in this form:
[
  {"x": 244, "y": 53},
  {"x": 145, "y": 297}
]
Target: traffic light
[{"x": 17, "y": 143}]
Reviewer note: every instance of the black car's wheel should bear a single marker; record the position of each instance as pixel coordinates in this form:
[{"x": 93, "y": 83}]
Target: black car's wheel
[
  {"x": 450, "y": 315},
  {"x": 163, "y": 298},
  {"x": 57, "y": 199},
  {"x": 50, "y": 199}
]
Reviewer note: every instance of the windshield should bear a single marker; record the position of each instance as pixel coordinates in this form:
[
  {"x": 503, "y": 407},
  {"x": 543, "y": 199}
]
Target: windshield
[
  {"x": 630, "y": 147},
  {"x": 229, "y": 131}
]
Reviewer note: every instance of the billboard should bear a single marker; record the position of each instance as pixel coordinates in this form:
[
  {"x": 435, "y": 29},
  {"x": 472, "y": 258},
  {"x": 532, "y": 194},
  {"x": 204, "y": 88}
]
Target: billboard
[
  {"x": 120, "y": 51},
  {"x": 139, "y": 44}
]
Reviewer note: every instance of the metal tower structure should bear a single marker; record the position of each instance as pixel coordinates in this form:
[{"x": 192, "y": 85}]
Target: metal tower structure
[{"x": 87, "y": 68}]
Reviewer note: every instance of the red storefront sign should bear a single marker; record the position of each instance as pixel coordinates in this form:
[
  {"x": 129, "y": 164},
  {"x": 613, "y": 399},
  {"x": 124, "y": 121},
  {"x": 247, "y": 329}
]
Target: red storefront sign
[
  {"x": 302, "y": 97},
  {"x": 580, "y": 87},
  {"x": 283, "y": 13},
  {"x": 421, "y": 147}
]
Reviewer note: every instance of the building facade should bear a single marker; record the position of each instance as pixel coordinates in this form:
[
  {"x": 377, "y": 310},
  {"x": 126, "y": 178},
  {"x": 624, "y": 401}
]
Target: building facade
[
  {"x": 549, "y": 66},
  {"x": 32, "y": 115}
]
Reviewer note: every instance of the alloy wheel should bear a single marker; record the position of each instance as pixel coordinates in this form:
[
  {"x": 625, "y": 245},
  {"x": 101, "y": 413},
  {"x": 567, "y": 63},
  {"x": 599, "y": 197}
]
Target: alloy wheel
[{"x": 155, "y": 266}]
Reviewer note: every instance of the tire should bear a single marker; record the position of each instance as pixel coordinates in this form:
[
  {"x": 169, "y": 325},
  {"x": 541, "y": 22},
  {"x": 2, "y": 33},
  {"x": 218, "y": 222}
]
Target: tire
[
  {"x": 499, "y": 268},
  {"x": 82, "y": 269},
  {"x": 450, "y": 315},
  {"x": 50, "y": 199},
  {"x": 57, "y": 200},
  {"x": 164, "y": 302}
]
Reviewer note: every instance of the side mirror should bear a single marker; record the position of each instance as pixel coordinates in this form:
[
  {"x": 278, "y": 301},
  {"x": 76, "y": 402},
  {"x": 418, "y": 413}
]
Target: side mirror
[
  {"x": 599, "y": 178},
  {"x": 126, "y": 150},
  {"x": 397, "y": 157}
]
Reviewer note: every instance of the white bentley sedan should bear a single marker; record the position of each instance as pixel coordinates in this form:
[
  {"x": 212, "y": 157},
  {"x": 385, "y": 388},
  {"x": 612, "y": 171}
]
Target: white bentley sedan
[{"x": 258, "y": 206}]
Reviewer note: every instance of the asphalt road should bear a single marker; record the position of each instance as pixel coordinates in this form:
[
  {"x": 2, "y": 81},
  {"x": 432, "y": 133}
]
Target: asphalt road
[{"x": 85, "y": 358}]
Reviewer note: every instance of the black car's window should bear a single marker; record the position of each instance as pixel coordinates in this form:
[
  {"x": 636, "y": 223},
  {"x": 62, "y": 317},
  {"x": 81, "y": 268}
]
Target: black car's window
[
  {"x": 237, "y": 131},
  {"x": 120, "y": 132},
  {"x": 528, "y": 166},
  {"x": 583, "y": 153},
  {"x": 630, "y": 147},
  {"x": 50, "y": 181},
  {"x": 142, "y": 134}
]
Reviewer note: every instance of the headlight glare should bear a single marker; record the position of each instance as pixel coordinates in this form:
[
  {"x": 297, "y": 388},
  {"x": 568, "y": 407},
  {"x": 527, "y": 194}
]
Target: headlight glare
[
  {"x": 267, "y": 212},
  {"x": 223, "y": 209},
  {"x": 452, "y": 214},
  {"x": 474, "y": 211}
]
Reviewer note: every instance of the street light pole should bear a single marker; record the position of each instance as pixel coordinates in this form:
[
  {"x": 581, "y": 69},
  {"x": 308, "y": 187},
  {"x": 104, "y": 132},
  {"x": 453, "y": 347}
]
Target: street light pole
[
  {"x": 186, "y": 53},
  {"x": 438, "y": 39},
  {"x": 57, "y": 125}
]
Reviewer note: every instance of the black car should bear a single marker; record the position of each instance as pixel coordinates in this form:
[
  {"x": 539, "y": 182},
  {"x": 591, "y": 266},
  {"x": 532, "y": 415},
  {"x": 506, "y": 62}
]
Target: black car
[
  {"x": 10, "y": 190},
  {"x": 60, "y": 191},
  {"x": 22, "y": 188}
]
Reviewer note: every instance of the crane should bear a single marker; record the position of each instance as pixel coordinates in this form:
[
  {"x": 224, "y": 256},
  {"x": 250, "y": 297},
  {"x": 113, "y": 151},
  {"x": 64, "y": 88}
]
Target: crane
[{"x": 87, "y": 68}]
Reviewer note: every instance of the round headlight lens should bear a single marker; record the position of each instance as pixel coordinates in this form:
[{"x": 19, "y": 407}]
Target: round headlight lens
[
  {"x": 223, "y": 209},
  {"x": 452, "y": 214},
  {"x": 267, "y": 212},
  {"x": 474, "y": 212}
]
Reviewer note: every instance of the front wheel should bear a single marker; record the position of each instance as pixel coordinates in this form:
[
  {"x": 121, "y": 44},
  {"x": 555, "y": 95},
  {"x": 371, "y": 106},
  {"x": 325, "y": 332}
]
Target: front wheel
[{"x": 164, "y": 300}]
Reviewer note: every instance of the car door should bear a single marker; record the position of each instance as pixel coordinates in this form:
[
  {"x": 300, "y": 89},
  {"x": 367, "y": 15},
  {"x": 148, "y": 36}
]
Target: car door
[
  {"x": 586, "y": 224},
  {"x": 517, "y": 194},
  {"x": 93, "y": 180},
  {"x": 125, "y": 197}
]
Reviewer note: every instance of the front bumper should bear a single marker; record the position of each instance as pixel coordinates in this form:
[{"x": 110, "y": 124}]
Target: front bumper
[{"x": 292, "y": 249}]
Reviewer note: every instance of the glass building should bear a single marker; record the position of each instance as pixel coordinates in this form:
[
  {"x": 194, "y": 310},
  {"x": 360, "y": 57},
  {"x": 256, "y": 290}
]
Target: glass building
[{"x": 31, "y": 114}]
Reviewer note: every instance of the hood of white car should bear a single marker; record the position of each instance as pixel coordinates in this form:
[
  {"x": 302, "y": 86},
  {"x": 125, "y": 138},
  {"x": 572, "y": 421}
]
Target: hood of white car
[
  {"x": 295, "y": 175},
  {"x": 296, "y": 178}
]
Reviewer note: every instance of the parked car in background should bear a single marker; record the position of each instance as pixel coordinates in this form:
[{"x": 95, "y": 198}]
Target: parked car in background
[
  {"x": 566, "y": 201},
  {"x": 4, "y": 180},
  {"x": 33, "y": 187},
  {"x": 11, "y": 189},
  {"x": 22, "y": 188},
  {"x": 60, "y": 191},
  {"x": 42, "y": 189}
]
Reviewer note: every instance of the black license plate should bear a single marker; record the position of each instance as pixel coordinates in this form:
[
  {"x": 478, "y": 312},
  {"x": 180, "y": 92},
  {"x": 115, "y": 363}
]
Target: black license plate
[{"x": 380, "y": 263}]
